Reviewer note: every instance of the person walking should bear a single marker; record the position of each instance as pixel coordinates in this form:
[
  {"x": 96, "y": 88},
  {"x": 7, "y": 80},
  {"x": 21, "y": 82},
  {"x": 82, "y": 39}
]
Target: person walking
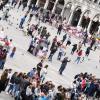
[
  {"x": 64, "y": 38},
  {"x": 53, "y": 50},
  {"x": 79, "y": 53},
  {"x": 92, "y": 42},
  {"x": 22, "y": 22},
  {"x": 61, "y": 52},
  {"x": 13, "y": 52},
  {"x": 63, "y": 65},
  {"x": 74, "y": 49}
]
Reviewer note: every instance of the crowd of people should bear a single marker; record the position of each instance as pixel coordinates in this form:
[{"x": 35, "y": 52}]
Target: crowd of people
[{"x": 32, "y": 85}]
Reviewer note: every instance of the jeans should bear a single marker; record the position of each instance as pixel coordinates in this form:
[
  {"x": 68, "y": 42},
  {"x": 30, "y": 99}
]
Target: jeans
[
  {"x": 15, "y": 90},
  {"x": 50, "y": 57},
  {"x": 12, "y": 54},
  {"x": 59, "y": 56},
  {"x": 2, "y": 64},
  {"x": 78, "y": 59},
  {"x": 62, "y": 69},
  {"x": 10, "y": 89}
]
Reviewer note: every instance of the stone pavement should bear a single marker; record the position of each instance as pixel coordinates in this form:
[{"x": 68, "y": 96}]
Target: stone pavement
[{"x": 4, "y": 96}]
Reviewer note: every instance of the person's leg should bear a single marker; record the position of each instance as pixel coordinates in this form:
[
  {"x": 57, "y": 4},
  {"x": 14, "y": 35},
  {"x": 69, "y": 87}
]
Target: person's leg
[
  {"x": 77, "y": 60},
  {"x": 50, "y": 57},
  {"x": 61, "y": 69},
  {"x": 59, "y": 56},
  {"x": 1, "y": 64}
]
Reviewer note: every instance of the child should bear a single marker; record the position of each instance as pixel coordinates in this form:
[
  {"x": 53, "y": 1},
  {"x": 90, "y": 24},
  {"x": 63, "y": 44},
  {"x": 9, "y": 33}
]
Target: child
[{"x": 13, "y": 52}]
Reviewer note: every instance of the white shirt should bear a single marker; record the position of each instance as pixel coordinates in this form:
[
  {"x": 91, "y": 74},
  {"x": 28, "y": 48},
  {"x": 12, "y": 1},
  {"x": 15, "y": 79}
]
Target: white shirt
[{"x": 28, "y": 91}]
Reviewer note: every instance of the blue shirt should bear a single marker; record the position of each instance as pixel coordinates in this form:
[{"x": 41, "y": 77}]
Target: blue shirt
[{"x": 43, "y": 98}]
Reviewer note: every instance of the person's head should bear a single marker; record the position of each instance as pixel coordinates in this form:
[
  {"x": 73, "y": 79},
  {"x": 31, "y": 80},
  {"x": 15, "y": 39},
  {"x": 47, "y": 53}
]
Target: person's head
[
  {"x": 59, "y": 88},
  {"x": 10, "y": 40},
  {"x": 66, "y": 58},
  {"x": 46, "y": 66},
  {"x": 42, "y": 61},
  {"x": 9, "y": 70}
]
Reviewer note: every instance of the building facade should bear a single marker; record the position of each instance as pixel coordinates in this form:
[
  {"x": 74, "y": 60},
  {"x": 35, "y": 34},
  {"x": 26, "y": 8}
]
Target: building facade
[{"x": 84, "y": 13}]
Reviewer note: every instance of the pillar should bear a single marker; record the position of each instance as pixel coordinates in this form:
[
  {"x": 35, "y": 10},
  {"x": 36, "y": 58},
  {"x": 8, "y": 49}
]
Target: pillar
[
  {"x": 46, "y": 4},
  {"x": 98, "y": 30},
  {"x": 62, "y": 12},
  {"x": 80, "y": 20},
  {"x": 37, "y": 3},
  {"x": 89, "y": 26},
  {"x": 71, "y": 17},
  {"x": 54, "y": 7}
]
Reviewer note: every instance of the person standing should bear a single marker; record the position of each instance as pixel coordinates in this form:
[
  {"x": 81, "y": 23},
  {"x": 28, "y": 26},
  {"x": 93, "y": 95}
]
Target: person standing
[
  {"x": 43, "y": 73},
  {"x": 92, "y": 42},
  {"x": 63, "y": 65},
  {"x": 87, "y": 51},
  {"x": 59, "y": 29},
  {"x": 3, "y": 55},
  {"x": 39, "y": 67}
]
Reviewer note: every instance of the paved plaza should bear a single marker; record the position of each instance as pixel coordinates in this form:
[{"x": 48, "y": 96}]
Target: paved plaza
[{"x": 23, "y": 61}]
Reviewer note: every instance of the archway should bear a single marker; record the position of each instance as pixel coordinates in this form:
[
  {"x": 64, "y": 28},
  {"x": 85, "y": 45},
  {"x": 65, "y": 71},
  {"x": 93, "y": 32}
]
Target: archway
[
  {"x": 67, "y": 11},
  {"x": 76, "y": 16},
  {"x": 51, "y": 4},
  {"x": 95, "y": 24},
  {"x": 59, "y": 6},
  {"x": 42, "y": 3},
  {"x": 33, "y": 2},
  {"x": 86, "y": 19}
]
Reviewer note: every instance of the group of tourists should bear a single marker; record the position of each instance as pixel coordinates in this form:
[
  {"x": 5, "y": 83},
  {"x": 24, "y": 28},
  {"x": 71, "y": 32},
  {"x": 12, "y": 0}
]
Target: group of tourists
[
  {"x": 87, "y": 84},
  {"x": 30, "y": 86}
]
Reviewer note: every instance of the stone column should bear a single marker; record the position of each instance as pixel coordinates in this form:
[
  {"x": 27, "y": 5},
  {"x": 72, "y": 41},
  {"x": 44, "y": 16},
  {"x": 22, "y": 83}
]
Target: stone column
[
  {"x": 98, "y": 30},
  {"x": 89, "y": 26},
  {"x": 37, "y": 3},
  {"x": 62, "y": 12},
  {"x": 71, "y": 17},
  {"x": 80, "y": 20},
  {"x": 46, "y": 4},
  {"x": 54, "y": 7}
]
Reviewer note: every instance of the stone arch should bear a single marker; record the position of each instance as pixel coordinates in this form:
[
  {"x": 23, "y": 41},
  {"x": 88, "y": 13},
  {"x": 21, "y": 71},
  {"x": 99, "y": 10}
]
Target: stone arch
[
  {"x": 95, "y": 24},
  {"x": 67, "y": 10},
  {"x": 42, "y": 3},
  {"x": 96, "y": 15},
  {"x": 76, "y": 16},
  {"x": 59, "y": 6},
  {"x": 85, "y": 19}
]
